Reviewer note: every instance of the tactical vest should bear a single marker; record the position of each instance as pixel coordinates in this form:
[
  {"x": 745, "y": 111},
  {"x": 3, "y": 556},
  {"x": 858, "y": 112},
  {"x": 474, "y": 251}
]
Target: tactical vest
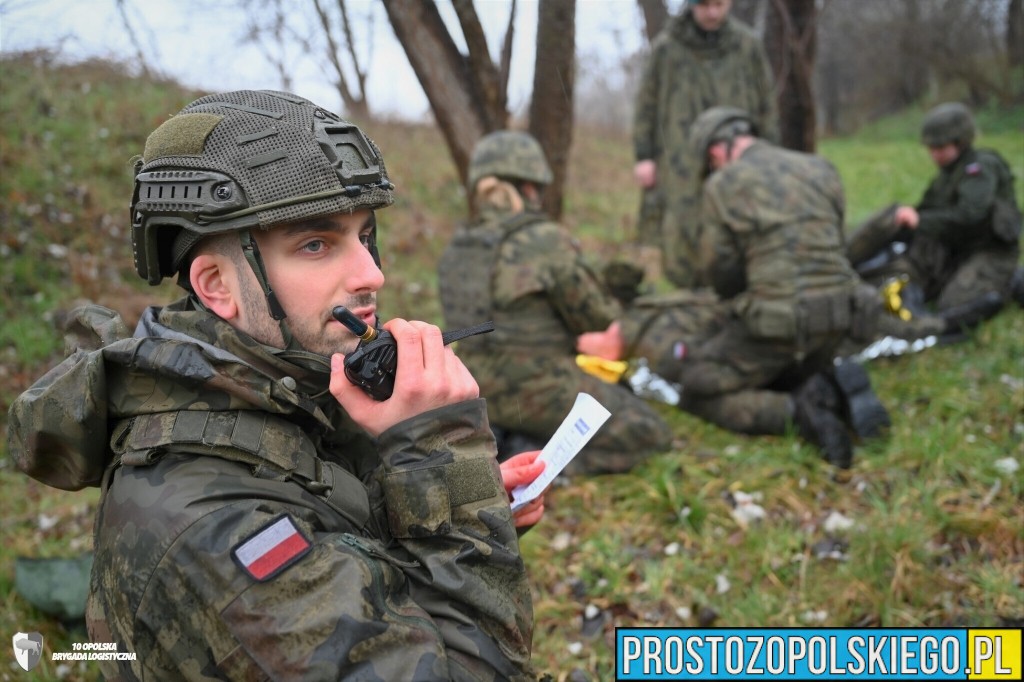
[
  {"x": 1006, "y": 216},
  {"x": 272, "y": 447},
  {"x": 466, "y": 274}
]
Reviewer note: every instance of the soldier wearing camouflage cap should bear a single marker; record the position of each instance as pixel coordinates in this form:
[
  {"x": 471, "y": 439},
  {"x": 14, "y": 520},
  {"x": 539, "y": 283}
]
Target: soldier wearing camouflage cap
[
  {"x": 704, "y": 57},
  {"x": 964, "y": 233},
  {"x": 262, "y": 517},
  {"x": 771, "y": 242},
  {"x": 515, "y": 266}
]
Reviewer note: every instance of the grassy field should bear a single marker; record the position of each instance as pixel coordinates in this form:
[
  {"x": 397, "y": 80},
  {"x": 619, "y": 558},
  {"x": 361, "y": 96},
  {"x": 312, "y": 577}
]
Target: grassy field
[{"x": 926, "y": 531}]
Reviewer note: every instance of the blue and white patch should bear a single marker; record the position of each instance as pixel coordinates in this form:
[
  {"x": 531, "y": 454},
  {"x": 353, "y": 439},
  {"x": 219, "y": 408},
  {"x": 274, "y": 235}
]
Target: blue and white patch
[{"x": 973, "y": 168}]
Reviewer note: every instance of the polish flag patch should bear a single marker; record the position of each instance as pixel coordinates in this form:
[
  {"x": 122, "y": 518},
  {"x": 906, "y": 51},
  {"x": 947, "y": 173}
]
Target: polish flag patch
[{"x": 272, "y": 549}]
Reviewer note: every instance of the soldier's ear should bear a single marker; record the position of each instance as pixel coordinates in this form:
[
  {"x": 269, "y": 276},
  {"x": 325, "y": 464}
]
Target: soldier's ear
[{"x": 215, "y": 281}]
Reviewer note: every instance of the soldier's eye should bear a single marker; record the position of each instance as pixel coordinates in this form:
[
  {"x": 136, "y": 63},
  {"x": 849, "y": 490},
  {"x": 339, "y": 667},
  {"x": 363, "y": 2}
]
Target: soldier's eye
[{"x": 314, "y": 246}]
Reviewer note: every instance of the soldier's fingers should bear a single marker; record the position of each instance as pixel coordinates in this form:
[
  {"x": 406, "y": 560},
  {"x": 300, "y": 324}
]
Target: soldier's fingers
[{"x": 530, "y": 514}]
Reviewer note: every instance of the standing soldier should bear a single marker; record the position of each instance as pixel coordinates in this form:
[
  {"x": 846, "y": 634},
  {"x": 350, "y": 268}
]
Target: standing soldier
[
  {"x": 703, "y": 58},
  {"x": 964, "y": 234},
  {"x": 262, "y": 517},
  {"x": 515, "y": 266}
]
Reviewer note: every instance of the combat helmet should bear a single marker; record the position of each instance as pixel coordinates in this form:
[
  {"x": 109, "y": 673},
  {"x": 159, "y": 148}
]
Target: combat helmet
[
  {"x": 948, "y": 123},
  {"x": 242, "y": 160},
  {"x": 718, "y": 124},
  {"x": 510, "y": 155}
]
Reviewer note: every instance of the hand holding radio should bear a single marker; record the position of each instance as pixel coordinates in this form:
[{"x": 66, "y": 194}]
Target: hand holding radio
[{"x": 372, "y": 365}]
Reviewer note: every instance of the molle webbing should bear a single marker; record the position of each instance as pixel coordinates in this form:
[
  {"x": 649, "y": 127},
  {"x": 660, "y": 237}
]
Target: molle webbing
[
  {"x": 273, "y": 447},
  {"x": 466, "y": 272},
  {"x": 421, "y": 500}
]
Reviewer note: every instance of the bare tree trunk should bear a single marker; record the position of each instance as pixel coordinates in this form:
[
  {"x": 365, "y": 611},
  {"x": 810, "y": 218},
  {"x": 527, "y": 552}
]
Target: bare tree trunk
[
  {"x": 790, "y": 40},
  {"x": 655, "y": 17},
  {"x": 355, "y": 101},
  {"x": 463, "y": 112},
  {"x": 143, "y": 65},
  {"x": 551, "y": 109},
  {"x": 1015, "y": 32}
]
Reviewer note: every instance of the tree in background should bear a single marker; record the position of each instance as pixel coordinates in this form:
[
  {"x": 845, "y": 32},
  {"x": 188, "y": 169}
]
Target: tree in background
[
  {"x": 271, "y": 27},
  {"x": 551, "y": 107},
  {"x": 467, "y": 92},
  {"x": 1015, "y": 32},
  {"x": 878, "y": 58},
  {"x": 790, "y": 41}
]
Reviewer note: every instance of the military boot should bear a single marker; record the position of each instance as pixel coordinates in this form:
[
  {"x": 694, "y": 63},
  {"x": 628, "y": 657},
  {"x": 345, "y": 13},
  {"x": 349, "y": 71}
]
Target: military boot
[
  {"x": 969, "y": 315},
  {"x": 816, "y": 408},
  {"x": 1017, "y": 286},
  {"x": 861, "y": 407}
]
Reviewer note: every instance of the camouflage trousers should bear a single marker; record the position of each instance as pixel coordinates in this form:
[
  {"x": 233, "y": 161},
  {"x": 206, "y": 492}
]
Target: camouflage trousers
[
  {"x": 742, "y": 383},
  {"x": 949, "y": 280},
  {"x": 531, "y": 394}
]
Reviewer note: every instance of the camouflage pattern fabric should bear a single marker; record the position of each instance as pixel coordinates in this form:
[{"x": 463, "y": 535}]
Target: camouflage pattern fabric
[
  {"x": 689, "y": 71},
  {"x": 968, "y": 240},
  {"x": 772, "y": 243},
  {"x": 543, "y": 296},
  {"x": 426, "y": 584}
]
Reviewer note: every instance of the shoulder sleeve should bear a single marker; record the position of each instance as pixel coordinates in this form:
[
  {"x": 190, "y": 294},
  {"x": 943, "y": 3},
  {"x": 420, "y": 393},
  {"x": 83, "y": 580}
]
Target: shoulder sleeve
[
  {"x": 964, "y": 207},
  {"x": 718, "y": 246},
  {"x": 576, "y": 293},
  {"x": 265, "y": 587},
  {"x": 645, "y": 111}
]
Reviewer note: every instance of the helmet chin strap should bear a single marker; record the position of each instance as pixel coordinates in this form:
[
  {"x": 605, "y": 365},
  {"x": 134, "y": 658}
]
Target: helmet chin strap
[{"x": 255, "y": 260}]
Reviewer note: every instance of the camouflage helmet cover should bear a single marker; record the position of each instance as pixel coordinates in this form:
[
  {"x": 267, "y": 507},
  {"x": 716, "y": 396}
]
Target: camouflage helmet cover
[
  {"x": 244, "y": 159},
  {"x": 509, "y": 154},
  {"x": 948, "y": 123},
  {"x": 717, "y": 124}
]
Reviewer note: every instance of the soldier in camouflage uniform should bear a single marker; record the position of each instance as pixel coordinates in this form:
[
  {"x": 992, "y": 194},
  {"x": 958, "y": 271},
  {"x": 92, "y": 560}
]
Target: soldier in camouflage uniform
[
  {"x": 772, "y": 243},
  {"x": 515, "y": 266},
  {"x": 703, "y": 58},
  {"x": 964, "y": 234},
  {"x": 261, "y": 516}
]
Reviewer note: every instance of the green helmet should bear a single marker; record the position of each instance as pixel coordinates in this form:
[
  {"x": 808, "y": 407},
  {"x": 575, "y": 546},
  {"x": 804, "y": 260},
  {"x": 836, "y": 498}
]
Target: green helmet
[
  {"x": 718, "y": 124},
  {"x": 509, "y": 154},
  {"x": 948, "y": 123},
  {"x": 246, "y": 159}
]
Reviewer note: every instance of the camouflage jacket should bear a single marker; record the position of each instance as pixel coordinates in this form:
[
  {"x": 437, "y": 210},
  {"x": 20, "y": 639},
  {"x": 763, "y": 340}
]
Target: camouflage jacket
[
  {"x": 540, "y": 292},
  {"x": 771, "y": 238},
  {"x": 689, "y": 71},
  {"x": 971, "y": 205},
  {"x": 248, "y": 530}
]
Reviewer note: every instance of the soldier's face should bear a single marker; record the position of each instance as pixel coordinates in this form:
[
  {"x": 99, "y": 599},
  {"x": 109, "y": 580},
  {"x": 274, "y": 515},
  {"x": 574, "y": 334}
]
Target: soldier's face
[
  {"x": 711, "y": 14},
  {"x": 944, "y": 154},
  {"x": 314, "y": 266}
]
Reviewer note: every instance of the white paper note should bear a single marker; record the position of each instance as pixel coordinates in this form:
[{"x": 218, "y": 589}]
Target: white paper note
[{"x": 584, "y": 419}]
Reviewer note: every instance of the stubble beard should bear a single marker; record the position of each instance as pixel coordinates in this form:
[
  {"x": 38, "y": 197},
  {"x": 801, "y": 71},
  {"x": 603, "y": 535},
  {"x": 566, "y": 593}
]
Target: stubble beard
[{"x": 310, "y": 334}]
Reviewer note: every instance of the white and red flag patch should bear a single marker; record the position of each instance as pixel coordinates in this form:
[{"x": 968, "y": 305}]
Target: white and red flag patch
[{"x": 272, "y": 549}]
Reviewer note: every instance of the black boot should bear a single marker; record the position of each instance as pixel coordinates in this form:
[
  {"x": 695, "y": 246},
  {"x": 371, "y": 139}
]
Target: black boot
[
  {"x": 969, "y": 315},
  {"x": 863, "y": 411},
  {"x": 1017, "y": 285},
  {"x": 816, "y": 407}
]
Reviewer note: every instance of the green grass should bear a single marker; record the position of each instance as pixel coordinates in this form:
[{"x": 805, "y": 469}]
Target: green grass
[{"x": 937, "y": 533}]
